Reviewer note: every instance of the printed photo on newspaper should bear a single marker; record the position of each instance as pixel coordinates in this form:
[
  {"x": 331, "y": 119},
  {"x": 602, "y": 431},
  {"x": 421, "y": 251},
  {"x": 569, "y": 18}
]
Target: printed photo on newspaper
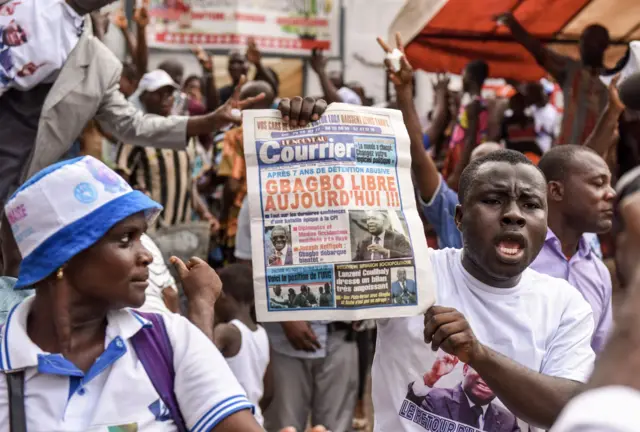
[{"x": 335, "y": 231}]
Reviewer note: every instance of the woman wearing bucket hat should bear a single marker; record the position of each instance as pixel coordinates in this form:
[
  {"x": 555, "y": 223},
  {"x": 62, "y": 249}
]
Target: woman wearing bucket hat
[{"x": 75, "y": 357}]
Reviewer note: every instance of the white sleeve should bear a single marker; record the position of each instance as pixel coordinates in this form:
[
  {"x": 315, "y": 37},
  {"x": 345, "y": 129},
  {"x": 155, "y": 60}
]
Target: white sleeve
[
  {"x": 206, "y": 389},
  {"x": 569, "y": 354},
  {"x": 607, "y": 409}
]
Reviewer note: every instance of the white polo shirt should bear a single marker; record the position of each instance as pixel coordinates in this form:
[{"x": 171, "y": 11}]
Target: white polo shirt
[{"x": 116, "y": 393}]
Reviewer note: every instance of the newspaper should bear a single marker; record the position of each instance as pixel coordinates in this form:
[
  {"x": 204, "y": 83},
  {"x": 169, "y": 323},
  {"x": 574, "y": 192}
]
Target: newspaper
[
  {"x": 335, "y": 232},
  {"x": 279, "y": 27}
]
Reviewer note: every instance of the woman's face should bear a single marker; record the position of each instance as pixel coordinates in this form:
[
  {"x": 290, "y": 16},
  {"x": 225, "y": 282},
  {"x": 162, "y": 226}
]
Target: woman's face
[{"x": 114, "y": 270}]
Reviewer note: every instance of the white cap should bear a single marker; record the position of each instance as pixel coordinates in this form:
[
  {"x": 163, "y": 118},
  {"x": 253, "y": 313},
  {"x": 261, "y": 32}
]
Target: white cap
[{"x": 155, "y": 80}]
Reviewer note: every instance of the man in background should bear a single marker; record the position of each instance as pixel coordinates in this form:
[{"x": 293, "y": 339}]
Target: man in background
[{"x": 585, "y": 96}]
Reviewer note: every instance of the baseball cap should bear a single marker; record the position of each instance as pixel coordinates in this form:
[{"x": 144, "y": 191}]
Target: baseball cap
[
  {"x": 155, "y": 80},
  {"x": 65, "y": 209}
]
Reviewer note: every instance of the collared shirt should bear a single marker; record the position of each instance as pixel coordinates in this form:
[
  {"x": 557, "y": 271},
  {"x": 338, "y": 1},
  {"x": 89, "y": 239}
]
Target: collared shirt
[
  {"x": 116, "y": 393},
  {"x": 440, "y": 212},
  {"x": 587, "y": 273},
  {"x": 380, "y": 237},
  {"x": 483, "y": 407}
]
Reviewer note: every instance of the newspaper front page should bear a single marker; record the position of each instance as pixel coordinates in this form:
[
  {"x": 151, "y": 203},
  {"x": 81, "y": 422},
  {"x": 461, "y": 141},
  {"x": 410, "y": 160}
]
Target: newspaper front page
[{"x": 335, "y": 231}]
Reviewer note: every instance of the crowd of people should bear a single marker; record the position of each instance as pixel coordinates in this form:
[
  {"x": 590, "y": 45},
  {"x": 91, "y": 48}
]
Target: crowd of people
[{"x": 531, "y": 213}]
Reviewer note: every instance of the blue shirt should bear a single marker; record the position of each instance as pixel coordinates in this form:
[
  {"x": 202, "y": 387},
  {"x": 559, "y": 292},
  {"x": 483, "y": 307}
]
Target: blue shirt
[{"x": 440, "y": 212}]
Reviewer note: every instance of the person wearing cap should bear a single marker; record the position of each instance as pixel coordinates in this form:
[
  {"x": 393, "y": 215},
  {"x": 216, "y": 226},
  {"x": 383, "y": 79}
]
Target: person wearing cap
[
  {"x": 71, "y": 345},
  {"x": 38, "y": 126},
  {"x": 164, "y": 173}
]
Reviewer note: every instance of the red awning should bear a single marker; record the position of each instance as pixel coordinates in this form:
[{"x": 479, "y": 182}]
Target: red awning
[{"x": 446, "y": 34}]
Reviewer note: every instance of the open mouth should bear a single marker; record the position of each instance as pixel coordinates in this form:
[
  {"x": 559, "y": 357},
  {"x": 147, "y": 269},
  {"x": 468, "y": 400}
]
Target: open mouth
[{"x": 510, "y": 248}]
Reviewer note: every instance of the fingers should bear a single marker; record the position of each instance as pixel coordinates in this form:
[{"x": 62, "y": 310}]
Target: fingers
[
  {"x": 306, "y": 111},
  {"x": 296, "y": 106},
  {"x": 319, "y": 107},
  {"x": 195, "y": 261},
  {"x": 383, "y": 45},
  {"x": 236, "y": 92},
  {"x": 435, "y": 317},
  {"x": 399, "y": 43},
  {"x": 180, "y": 266},
  {"x": 285, "y": 108},
  {"x": 614, "y": 81},
  {"x": 312, "y": 338},
  {"x": 446, "y": 330},
  {"x": 404, "y": 64},
  {"x": 391, "y": 74},
  {"x": 249, "y": 102}
]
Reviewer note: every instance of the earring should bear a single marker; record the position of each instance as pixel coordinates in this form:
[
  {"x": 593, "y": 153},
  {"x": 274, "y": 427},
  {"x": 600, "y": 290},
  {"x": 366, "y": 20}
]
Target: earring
[{"x": 60, "y": 273}]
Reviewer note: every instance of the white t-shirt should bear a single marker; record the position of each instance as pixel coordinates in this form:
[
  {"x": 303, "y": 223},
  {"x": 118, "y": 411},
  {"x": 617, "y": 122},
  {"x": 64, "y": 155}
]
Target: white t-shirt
[
  {"x": 542, "y": 323},
  {"x": 250, "y": 364},
  {"x": 547, "y": 123},
  {"x": 606, "y": 409},
  {"x": 36, "y": 37},
  {"x": 116, "y": 393}
]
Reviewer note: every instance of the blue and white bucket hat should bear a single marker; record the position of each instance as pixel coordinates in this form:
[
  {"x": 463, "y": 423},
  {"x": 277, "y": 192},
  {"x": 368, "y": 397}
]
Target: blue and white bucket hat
[{"x": 66, "y": 208}]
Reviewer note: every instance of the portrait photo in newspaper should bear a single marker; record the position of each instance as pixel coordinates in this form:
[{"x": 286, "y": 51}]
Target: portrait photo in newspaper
[{"x": 335, "y": 231}]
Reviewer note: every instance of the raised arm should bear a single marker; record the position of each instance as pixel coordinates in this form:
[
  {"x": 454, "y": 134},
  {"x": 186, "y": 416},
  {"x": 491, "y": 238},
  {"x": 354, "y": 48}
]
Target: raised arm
[
  {"x": 124, "y": 121},
  {"x": 262, "y": 73},
  {"x": 141, "y": 56},
  {"x": 319, "y": 66},
  {"x": 549, "y": 60},
  {"x": 120, "y": 21},
  {"x": 209, "y": 77},
  {"x": 470, "y": 142},
  {"x": 424, "y": 168},
  {"x": 604, "y": 135}
]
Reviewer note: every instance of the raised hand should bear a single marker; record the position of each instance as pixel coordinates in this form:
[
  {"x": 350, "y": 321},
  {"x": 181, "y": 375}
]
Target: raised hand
[
  {"x": 228, "y": 113},
  {"x": 199, "y": 281},
  {"x": 253, "y": 53},
  {"x": 299, "y": 112},
  {"x": 441, "y": 86},
  {"x": 318, "y": 61},
  {"x": 141, "y": 14},
  {"x": 447, "y": 329},
  {"x": 205, "y": 60},
  {"x": 614, "y": 96},
  {"x": 29, "y": 69},
  {"x": 120, "y": 20},
  {"x": 403, "y": 78}
]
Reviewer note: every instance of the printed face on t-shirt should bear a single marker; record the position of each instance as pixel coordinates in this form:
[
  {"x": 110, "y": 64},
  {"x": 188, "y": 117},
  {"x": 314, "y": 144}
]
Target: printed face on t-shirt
[
  {"x": 504, "y": 219},
  {"x": 476, "y": 389},
  {"x": 14, "y": 35}
]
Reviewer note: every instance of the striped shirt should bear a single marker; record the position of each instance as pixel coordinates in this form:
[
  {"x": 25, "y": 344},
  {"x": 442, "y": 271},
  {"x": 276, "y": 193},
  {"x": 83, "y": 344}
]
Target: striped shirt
[{"x": 165, "y": 174}]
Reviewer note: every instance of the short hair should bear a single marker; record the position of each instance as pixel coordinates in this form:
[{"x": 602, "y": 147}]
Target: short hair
[
  {"x": 554, "y": 163},
  {"x": 191, "y": 78},
  {"x": 478, "y": 70},
  {"x": 279, "y": 227},
  {"x": 172, "y": 67},
  {"x": 468, "y": 176},
  {"x": 237, "y": 282}
]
